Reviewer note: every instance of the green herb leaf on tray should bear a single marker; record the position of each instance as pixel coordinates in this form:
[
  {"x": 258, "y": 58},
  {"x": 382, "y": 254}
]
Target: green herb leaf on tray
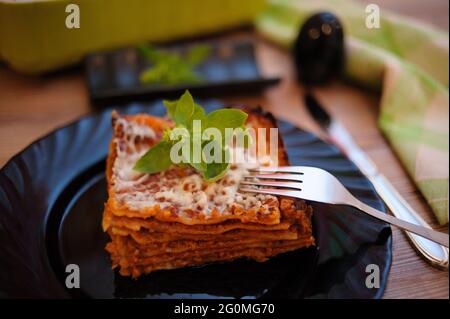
[
  {"x": 183, "y": 112},
  {"x": 198, "y": 54},
  {"x": 171, "y": 67}
]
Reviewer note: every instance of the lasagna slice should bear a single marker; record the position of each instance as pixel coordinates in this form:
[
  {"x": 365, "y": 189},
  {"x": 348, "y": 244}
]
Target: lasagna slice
[{"x": 176, "y": 219}]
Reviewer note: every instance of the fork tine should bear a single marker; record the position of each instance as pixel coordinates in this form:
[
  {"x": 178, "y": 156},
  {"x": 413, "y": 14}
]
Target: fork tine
[
  {"x": 285, "y": 177},
  {"x": 271, "y": 191},
  {"x": 279, "y": 169},
  {"x": 292, "y": 185}
]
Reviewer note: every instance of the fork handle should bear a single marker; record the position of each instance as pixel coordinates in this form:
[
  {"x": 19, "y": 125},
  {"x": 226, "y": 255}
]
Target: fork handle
[
  {"x": 434, "y": 253},
  {"x": 438, "y": 237}
]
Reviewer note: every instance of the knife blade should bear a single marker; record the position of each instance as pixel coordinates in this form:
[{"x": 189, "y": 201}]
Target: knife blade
[{"x": 336, "y": 133}]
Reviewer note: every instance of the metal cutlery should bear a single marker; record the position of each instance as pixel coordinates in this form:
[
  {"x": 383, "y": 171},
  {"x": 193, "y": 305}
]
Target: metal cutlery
[
  {"x": 319, "y": 56},
  {"x": 337, "y": 134},
  {"x": 315, "y": 184}
]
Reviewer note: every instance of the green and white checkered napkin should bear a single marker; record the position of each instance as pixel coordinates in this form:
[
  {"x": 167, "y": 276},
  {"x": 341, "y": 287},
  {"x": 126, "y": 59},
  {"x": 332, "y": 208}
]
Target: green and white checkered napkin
[{"x": 409, "y": 63}]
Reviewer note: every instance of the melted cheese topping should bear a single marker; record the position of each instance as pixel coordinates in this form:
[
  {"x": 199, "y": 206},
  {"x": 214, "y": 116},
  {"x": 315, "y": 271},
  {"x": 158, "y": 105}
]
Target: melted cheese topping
[{"x": 182, "y": 188}]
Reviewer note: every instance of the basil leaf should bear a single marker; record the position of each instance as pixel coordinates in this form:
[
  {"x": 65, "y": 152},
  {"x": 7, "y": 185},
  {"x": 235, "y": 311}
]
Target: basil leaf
[
  {"x": 197, "y": 54},
  {"x": 201, "y": 167},
  {"x": 199, "y": 164},
  {"x": 151, "y": 53},
  {"x": 184, "y": 109},
  {"x": 199, "y": 113},
  {"x": 225, "y": 118},
  {"x": 184, "y": 112},
  {"x": 171, "y": 106},
  {"x": 172, "y": 67},
  {"x": 215, "y": 171},
  {"x": 156, "y": 159}
]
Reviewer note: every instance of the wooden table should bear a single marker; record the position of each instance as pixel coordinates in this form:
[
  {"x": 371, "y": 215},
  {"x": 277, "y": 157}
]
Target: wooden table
[{"x": 31, "y": 107}]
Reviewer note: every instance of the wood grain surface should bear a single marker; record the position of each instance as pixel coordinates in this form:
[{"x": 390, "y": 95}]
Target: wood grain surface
[{"x": 31, "y": 107}]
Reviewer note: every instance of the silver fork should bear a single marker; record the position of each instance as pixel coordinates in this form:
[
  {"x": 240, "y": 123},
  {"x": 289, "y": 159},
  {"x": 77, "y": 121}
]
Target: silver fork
[{"x": 318, "y": 185}]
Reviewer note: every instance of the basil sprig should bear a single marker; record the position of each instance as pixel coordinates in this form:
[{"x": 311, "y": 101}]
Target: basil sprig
[{"x": 184, "y": 112}]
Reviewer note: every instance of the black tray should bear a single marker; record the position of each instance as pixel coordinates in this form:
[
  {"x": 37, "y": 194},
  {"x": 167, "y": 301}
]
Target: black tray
[{"x": 231, "y": 68}]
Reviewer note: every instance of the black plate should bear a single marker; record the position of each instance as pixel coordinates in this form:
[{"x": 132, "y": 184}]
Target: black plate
[
  {"x": 231, "y": 67},
  {"x": 51, "y": 202}
]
